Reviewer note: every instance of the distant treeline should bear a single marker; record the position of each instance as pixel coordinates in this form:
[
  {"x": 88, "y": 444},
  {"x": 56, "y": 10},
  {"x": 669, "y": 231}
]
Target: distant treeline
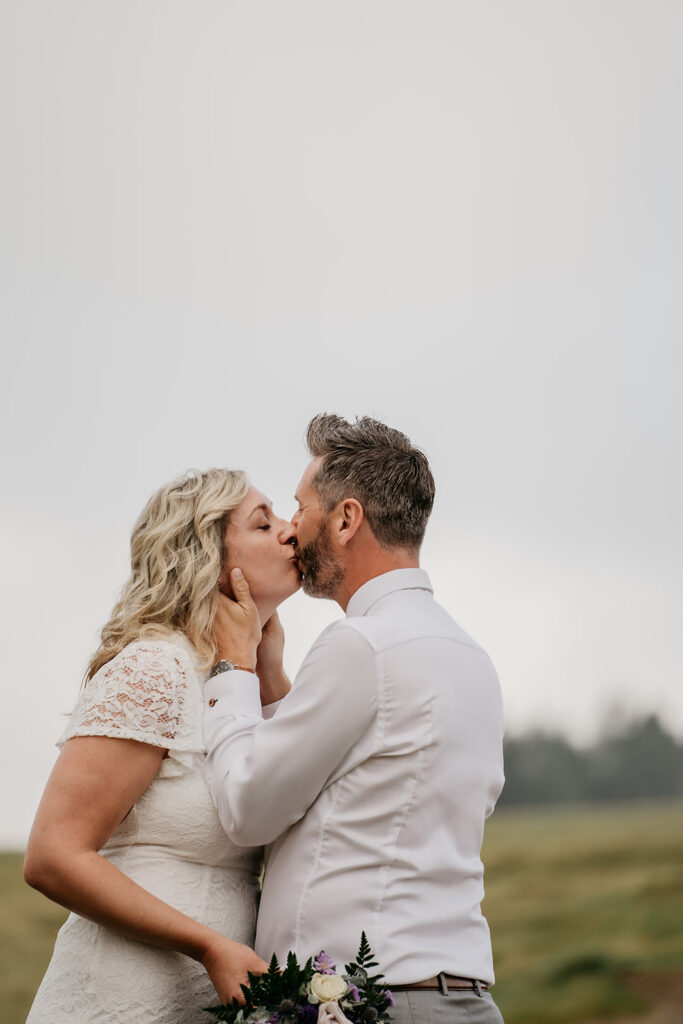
[{"x": 642, "y": 760}]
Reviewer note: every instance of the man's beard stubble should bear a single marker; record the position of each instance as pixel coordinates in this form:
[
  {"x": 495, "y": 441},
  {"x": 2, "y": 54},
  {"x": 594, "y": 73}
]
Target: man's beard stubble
[{"x": 322, "y": 573}]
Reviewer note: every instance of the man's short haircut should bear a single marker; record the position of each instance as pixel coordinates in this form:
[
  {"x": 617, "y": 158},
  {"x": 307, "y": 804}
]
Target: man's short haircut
[{"x": 380, "y": 468}]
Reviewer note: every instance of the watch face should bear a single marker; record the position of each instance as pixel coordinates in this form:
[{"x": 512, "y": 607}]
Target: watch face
[{"x": 222, "y": 666}]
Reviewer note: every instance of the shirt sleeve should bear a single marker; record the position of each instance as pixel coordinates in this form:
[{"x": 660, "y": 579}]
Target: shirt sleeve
[
  {"x": 265, "y": 774},
  {"x": 141, "y": 694}
]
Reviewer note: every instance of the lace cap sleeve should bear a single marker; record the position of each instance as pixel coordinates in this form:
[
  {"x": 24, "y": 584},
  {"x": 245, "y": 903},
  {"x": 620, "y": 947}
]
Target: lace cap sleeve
[{"x": 145, "y": 693}]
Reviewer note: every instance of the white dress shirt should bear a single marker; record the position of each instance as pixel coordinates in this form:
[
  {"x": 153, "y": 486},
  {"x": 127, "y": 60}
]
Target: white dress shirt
[{"x": 372, "y": 782}]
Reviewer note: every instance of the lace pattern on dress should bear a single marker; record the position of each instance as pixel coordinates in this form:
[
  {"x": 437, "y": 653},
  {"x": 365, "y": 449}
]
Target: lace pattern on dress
[{"x": 141, "y": 694}]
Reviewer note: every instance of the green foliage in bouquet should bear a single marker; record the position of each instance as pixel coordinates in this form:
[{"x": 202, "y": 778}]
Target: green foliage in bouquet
[
  {"x": 275, "y": 992},
  {"x": 287, "y": 996},
  {"x": 374, "y": 997}
]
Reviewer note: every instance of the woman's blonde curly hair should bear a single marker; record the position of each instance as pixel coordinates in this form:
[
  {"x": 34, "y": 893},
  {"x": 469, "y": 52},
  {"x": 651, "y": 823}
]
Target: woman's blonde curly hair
[{"x": 177, "y": 559}]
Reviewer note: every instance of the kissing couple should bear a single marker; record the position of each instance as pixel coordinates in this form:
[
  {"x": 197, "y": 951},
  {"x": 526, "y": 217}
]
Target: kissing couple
[{"x": 367, "y": 782}]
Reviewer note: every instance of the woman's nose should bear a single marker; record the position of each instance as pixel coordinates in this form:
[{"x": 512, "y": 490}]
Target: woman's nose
[{"x": 287, "y": 532}]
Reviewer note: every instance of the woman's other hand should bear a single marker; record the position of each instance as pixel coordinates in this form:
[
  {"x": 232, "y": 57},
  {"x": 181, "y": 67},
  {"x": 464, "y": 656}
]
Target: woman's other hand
[
  {"x": 227, "y": 964},
  {"x": 274, "y": 683},
  {"x": 237, "y": 627}
]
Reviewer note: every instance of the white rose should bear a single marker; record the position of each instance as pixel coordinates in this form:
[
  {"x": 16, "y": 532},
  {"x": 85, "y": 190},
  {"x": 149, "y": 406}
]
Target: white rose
[{"x": 328, "y": 988}]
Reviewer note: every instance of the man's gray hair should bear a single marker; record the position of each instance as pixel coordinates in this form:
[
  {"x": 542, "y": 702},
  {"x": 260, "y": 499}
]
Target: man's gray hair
[{"x": 380, "y": 468}]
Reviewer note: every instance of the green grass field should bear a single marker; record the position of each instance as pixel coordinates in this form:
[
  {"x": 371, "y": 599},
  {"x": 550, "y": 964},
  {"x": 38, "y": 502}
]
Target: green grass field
[{"x": 582, "y": 903}]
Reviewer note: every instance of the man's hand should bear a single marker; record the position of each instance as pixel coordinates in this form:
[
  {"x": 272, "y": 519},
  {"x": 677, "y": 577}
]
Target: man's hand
[
  {"x": 274, "y": 683},
  {"x": 227, "y": 963},
  {"x": 237, "y": 627}
]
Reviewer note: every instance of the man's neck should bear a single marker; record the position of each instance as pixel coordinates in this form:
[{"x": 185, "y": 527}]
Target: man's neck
[{"x": 370, "y": 567}]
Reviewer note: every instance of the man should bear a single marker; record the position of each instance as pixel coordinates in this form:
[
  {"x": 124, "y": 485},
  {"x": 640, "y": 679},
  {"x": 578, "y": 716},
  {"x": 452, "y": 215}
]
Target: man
[{"x": 374, "y": 777}]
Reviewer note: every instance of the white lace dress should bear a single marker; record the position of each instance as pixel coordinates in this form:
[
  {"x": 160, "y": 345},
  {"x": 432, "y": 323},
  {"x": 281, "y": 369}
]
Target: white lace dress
[{"x": 171, "y": 842}]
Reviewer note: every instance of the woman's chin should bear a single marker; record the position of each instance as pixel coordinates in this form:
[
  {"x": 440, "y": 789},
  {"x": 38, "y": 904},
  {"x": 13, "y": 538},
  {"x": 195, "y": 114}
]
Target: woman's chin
[
  {"x": 296, "y": 579},
  {"x": 296, "y": 585}
]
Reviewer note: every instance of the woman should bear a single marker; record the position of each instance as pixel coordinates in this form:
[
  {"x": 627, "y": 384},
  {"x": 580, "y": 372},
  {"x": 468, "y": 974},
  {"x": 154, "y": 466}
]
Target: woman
[{"x": 126, "y": 835}]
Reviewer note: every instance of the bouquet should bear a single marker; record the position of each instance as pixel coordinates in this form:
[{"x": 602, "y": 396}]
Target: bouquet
[{"x": 312, "y": 994}]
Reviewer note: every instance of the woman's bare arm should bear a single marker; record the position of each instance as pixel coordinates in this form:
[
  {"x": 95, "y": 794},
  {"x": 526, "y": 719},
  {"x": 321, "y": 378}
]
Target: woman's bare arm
[{"x": 95, "y": 782}]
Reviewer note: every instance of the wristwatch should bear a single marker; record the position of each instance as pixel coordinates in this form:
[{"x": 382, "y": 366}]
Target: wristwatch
[{"x": 228, "y": 666}]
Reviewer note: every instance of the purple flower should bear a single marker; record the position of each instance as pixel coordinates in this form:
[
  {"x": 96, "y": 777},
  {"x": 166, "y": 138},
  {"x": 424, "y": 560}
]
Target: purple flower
[
  {"x": 354, "y": 993},
  {"x": 308, "y": 1014},
  {"x": 392, "y": 1001},
  {"x": 323, "y": 964}
]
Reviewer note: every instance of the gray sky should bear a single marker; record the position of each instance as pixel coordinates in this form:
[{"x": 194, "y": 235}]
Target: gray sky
[{"x": 219, "y": 218}]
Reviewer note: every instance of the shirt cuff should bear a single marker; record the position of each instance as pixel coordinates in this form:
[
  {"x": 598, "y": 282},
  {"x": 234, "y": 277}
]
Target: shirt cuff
[
  {"x": 270, "y": 709},
  {"x": 233, "y": 693}
]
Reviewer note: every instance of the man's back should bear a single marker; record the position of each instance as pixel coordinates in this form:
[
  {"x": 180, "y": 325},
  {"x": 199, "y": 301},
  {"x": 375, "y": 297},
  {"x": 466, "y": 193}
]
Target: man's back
[{"x": 392, "y": 842}]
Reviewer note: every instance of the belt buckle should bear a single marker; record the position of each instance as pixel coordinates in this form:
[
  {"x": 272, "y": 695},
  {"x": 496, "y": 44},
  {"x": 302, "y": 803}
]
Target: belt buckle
[{"x": 443, "y": 985}]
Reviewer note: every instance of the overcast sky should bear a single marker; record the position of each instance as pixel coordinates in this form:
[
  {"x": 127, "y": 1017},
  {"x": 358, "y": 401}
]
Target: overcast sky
[{"x": 219, "y": 218}]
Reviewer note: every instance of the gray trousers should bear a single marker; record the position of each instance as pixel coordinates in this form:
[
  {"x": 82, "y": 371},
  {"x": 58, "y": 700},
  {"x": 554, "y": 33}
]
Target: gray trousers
[{"x": 429, "y": 1006}]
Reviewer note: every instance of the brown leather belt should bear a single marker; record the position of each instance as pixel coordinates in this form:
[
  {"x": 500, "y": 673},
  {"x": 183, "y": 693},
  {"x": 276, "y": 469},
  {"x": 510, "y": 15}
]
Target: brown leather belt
[{"x": 445, "y": 983}]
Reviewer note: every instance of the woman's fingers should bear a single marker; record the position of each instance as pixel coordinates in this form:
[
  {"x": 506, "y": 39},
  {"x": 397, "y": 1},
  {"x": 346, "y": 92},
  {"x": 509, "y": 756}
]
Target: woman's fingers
[{"x": 228, "y": 964}]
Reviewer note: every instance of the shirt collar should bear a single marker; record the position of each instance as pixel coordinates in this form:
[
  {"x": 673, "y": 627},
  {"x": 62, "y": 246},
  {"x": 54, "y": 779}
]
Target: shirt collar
[{"x": 387, "y": 583}]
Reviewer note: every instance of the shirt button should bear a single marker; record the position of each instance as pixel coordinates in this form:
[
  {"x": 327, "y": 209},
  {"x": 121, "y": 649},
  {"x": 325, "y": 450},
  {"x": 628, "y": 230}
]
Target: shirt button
[{"x": 213, "y": 702}]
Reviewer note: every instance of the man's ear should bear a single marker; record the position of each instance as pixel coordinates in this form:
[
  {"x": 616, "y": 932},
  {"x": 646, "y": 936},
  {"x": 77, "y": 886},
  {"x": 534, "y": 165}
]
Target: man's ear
[{"x": 351, "y": 516}]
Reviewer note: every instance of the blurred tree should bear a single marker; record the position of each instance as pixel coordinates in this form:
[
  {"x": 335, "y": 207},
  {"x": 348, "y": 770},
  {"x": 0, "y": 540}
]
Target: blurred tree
[
  {"x": 640, "y": 761},
  {"x": 645, "y": 761},
  {"x": 542, "y": 769}
]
